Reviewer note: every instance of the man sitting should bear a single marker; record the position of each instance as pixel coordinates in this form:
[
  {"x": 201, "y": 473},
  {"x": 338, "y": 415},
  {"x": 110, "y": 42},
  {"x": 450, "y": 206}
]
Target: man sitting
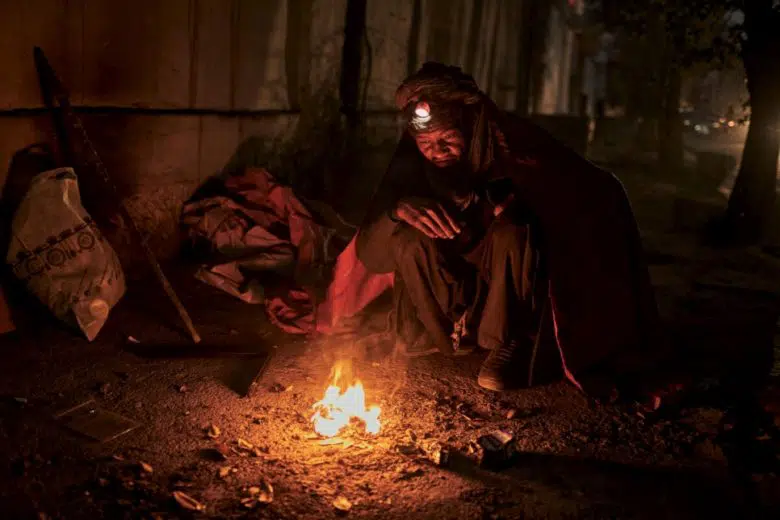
[{"x": 490, "y": 225}]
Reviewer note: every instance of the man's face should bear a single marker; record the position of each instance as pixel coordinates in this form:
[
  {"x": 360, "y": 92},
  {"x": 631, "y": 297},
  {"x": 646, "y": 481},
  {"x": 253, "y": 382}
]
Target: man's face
[{"x": 441, "y": 147}]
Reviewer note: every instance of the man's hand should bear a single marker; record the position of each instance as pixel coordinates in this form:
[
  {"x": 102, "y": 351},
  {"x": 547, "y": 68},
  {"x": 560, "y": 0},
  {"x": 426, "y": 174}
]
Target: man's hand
[{"x": 428, "y": 216}]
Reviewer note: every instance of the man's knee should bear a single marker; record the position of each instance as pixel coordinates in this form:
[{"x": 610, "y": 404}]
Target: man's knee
[
  {"x": 508, "y": 234},
  {"x": 410, "y": 245}
]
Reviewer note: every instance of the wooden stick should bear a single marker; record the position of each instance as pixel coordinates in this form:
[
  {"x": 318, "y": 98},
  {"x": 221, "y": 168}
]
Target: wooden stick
[{"x": 55, "y": 97}]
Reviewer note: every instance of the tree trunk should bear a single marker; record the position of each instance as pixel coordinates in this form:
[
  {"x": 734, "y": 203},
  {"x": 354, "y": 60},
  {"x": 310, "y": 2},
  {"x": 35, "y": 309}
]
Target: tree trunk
[
  {"x": 670, "y": 136},
  {"x": 752, "y": 200}
]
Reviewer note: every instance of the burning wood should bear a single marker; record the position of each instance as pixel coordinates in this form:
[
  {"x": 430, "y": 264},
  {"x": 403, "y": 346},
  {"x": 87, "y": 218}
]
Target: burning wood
[{"x": 344, "y": 400}]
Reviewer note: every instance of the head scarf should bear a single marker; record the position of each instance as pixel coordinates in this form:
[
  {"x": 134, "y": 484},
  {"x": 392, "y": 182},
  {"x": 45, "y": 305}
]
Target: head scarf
[{"x": 448, "y": 90}]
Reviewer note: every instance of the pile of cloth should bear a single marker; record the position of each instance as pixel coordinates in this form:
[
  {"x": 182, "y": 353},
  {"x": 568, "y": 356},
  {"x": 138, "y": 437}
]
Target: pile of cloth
[{"x": 260, "y": 242}]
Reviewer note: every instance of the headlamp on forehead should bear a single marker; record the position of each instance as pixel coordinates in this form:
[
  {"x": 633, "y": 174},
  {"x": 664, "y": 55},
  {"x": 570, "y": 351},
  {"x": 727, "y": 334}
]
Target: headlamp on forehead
[
  {"x": 424, "y": 116},
  {"x": 421, "y": 116}
]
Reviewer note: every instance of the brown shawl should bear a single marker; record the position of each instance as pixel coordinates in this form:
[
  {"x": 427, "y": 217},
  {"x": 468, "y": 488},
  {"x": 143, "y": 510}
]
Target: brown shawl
[{"x": 603, "y": 304}]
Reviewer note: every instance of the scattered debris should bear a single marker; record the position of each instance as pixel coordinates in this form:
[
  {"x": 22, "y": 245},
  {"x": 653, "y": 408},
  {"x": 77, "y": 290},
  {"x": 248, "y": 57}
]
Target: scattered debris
[
  {"x": 511, "y": 413},
  {"x": 244, "y": 445},
  {"x": 497, "y": 449},
  {"x": 187, "y": 502},
  {"x": 259, "y": 451},
  {"x": 331, "y": 442},
  {"x": 439, "y": 455},
  {"x": 89, "y": 420},
  {"x": 266, "y": 494},
  {"x": 342, "y": 504},
  {"x": 277, "y": 387},
  {"x": 183, "y": 389},
  {"x": 146, "y": 468},
  {"x": 262, "y": 494},
  {"x": 218, "y": 453},
  {"x": 407, "y": 474},
  {"x": 407, "y": 449},
  {"x": 222, "y": 449},
  {"x": 468, "y": 412},
  {"x": 104, "y": 389},
  {"x": 131, "y": 339},
  {"x": 213, "y": 431},
  {"x": 224, "y": 472}
]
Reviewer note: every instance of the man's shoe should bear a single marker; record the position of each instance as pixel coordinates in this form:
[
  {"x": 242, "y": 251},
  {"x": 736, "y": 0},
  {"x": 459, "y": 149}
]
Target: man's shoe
[
  {"x": 465, "y": 347},
  {"x": 423, "y": 346},
  {"x": 498, "y": 368}
]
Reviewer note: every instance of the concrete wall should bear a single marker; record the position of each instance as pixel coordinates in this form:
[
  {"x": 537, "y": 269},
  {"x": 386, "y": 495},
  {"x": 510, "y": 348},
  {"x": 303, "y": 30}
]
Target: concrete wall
[{"x": 171, "y": 88}]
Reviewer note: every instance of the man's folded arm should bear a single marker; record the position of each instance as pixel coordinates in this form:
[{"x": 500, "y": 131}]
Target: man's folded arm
[{"x": 379, "y": 224}]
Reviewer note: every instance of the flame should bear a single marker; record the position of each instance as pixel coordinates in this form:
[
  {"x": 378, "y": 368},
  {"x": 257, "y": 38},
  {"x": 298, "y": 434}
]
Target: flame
[{"x": 337, "y": 408}]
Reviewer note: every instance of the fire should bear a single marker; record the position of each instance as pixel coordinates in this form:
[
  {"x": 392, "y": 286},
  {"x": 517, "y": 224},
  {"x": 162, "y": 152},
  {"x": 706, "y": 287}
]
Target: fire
[{"x": 344, "y": 400}]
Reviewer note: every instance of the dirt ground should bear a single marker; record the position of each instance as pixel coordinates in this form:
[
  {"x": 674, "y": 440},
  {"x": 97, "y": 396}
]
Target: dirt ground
[{"x": 704, "y": 458}]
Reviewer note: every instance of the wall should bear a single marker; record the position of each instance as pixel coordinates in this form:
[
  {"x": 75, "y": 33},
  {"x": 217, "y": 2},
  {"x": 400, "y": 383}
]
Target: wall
[{"x": 170, "y": 89}]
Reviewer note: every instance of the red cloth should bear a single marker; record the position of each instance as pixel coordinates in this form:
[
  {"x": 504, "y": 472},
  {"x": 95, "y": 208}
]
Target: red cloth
[{"x": 352, "y": 289}]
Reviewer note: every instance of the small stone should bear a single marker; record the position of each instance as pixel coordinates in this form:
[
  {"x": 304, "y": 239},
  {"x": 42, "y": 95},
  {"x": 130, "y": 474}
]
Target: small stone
[
  {"x": 213, "y": 431},
  {"x": 264, "y": 494},
  {"x": 222, "y": 450},
  {"x": 187, "y": 502},
  {"x": 511, "y": 413},
  {"x": 244, "y": 445},
  {"x": 342, "y": 504},
  {"x": 146, "y": 468}
]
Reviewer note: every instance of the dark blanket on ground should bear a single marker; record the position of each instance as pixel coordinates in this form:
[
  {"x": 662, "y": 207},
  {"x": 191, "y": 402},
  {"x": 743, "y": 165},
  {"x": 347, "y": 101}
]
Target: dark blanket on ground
[{"x": 602, "y": 301}]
